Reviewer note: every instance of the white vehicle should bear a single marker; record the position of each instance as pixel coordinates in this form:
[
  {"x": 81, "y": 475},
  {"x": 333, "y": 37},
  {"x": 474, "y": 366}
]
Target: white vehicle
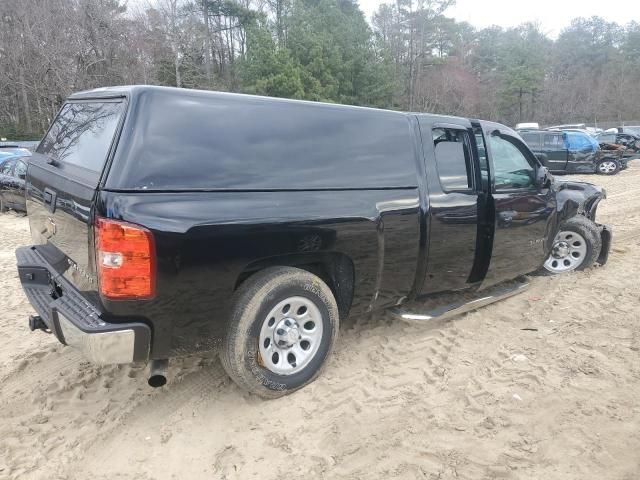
[{"x": 528, "y": 126}]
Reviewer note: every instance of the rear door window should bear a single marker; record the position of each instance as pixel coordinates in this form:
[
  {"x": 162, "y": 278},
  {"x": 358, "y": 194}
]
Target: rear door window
[
  {"x": 453, "y": 158},
  {"x": 554, "y": 142},
  {"x": 82, "y": 133}
]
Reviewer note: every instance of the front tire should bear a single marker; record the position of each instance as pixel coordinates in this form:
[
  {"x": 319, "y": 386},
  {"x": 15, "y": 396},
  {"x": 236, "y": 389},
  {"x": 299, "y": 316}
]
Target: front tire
[
  {"x": 281, "y": 331},
  {"x": 608, "y": 167},
  {"x": 576, "y": 246}
]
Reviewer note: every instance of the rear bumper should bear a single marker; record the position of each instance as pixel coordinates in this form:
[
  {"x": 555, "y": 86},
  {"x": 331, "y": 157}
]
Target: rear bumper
[{"x": 74, "y": 320}]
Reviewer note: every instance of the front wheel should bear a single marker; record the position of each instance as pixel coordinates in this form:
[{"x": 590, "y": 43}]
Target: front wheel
[
  {"x": 608, "y": 167},
  {"x": 281, "y": 331},
  {"x": 576, "y": 246}
]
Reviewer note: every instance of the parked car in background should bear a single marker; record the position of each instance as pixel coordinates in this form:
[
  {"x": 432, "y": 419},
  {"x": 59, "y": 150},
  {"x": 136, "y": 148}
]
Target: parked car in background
[
  {"x": 13, "y": 169},
  {"x": 576, "y": 126},
  {"x": 611, "y": 140},
  {"x": 28, "y": 144},
  {"x": 528, "y": 126},
  {"x": 572, "y": 151},
  {"x": 632, "y": 129}
]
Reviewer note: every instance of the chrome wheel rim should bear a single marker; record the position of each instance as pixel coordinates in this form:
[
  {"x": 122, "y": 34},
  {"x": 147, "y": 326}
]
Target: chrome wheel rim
[
  {"x": 290, "y": 336},
  {"x": 568, "y": 252},
  {"x": 607, "y": 167}
]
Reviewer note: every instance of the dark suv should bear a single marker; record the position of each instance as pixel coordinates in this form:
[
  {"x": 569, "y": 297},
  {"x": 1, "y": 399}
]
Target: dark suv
[
  {"x": 572, "y": 152},
  {"x": 169, "y": 221}
]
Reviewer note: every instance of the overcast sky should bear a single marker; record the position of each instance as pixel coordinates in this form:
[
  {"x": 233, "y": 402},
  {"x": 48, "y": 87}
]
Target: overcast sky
[{"x": 553, "y": 15}]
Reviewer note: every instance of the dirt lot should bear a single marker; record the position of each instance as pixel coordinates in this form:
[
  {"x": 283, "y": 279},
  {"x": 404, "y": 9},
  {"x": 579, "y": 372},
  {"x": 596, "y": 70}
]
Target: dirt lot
[{"x": 479, "y": 397}]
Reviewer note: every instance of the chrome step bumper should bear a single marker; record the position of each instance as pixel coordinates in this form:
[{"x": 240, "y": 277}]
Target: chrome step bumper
[
  {"x": 442, "y": 307},
  {"x": 73, "y": 319}
]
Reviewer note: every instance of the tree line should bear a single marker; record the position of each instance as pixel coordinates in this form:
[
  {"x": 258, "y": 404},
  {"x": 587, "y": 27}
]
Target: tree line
[{"x": 410, "y": 56}]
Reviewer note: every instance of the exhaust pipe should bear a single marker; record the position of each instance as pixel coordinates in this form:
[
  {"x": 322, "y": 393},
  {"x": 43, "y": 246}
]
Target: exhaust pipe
[{"x": 158, "y": 373}]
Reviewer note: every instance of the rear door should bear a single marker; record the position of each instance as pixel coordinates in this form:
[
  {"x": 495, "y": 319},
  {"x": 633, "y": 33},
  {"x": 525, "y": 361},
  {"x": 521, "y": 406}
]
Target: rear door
[
  {"x": 61, "y": 184},
  {"x": 454, "y": 196},
  {"x": 555, "y": 151},
  {"x": 525, "y": 215}
]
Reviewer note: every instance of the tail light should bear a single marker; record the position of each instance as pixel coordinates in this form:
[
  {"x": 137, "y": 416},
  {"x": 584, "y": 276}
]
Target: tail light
[{"x": 125, "y": 257}]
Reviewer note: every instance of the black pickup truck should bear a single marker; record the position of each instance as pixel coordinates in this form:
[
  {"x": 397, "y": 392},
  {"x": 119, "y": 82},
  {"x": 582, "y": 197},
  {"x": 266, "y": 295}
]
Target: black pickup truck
[{"x": 169, "y": 221}]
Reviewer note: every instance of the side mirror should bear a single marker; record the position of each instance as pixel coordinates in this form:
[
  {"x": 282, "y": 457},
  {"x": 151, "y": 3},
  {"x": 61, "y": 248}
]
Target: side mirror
[{"x": 544, "y": 179}]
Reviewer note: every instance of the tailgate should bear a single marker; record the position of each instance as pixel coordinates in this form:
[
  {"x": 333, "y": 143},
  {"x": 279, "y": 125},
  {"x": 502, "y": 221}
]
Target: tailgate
[{"x": 61, "y": 184}]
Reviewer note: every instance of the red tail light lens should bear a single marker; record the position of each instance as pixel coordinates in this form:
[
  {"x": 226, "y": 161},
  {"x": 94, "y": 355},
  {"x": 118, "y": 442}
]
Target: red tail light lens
[{"x": 125, "y": 257}]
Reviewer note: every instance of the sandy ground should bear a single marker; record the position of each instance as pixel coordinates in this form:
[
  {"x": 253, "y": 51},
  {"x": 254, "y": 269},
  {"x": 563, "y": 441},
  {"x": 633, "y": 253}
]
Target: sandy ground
[{"x": 478, "y": 397}]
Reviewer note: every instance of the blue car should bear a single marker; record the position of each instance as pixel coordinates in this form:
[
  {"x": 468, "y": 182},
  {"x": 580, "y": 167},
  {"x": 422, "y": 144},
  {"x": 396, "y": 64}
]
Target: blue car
[{"x": 13, "y": 169}]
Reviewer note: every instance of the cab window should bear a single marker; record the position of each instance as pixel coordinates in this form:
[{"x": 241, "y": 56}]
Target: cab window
[{"x": 512, "y": 169}]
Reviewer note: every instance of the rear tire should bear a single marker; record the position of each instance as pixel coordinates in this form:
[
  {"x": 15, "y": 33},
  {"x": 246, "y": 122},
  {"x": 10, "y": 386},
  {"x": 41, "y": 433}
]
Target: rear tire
[
  {"x": 608, "y": 167},
  {"x": 576, "y": 247},
  {"x": 287, "y": 315}
]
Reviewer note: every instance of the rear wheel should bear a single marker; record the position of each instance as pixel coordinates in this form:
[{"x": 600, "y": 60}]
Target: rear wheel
[
  {"x": 608, "y": 167},
  {"x": 576, "y": 246},
  {"x": 282, "y": 330}
]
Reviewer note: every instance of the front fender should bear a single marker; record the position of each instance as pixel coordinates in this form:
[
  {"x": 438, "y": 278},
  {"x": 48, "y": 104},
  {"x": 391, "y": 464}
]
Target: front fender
[
  {"x": 577, "y": 198},
  {"x": 582, "y": 198}
]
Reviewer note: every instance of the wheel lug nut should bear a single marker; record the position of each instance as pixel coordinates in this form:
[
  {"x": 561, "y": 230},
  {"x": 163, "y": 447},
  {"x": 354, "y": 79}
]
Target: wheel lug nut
[{"x": 280, "y": 331}]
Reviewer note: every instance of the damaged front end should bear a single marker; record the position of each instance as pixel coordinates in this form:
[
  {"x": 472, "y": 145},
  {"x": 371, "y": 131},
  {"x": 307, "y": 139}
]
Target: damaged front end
[{"x": 582, "y": 198}]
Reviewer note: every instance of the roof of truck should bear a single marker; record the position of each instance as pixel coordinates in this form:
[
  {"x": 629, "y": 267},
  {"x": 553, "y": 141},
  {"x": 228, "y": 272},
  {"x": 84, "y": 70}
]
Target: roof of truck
[{"x": 134, "y": 90}]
